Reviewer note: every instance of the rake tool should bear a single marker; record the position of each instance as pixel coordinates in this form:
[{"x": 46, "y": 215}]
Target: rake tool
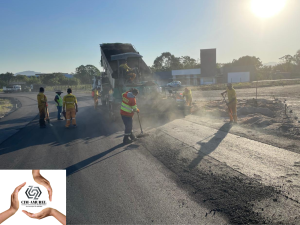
[{"x": 142, "y": 133}]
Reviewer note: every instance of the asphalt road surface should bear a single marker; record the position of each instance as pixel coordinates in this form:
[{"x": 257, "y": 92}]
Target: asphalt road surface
[{"x": 184, "y": 172}]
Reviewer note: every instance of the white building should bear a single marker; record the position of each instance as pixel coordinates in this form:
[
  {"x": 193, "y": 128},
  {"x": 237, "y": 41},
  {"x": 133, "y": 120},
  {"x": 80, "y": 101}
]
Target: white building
[{"x": 191, "y": 77}]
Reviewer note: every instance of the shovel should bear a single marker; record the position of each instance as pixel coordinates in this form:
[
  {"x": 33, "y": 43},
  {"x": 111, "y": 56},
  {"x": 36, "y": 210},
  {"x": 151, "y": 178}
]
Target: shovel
[
  {"x": 227, "y": 105},
  {"x": 142, "y": 133}
]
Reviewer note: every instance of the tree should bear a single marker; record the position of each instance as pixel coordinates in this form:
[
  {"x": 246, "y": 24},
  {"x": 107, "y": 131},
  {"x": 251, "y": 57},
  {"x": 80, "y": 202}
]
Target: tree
[
  {"x": 166, "y": 61},
  {"x": 188, "y": 62},
  {"x": 6, "y": 77},
  {"x": 86, "y": 73},
  {"x": 264, "y": 73},
  {"x": 52, "y": 79},
  {"x": 297, "y": 58},
  {"x": 22, "y": 78},
  {"x": 248, "y": 61}
]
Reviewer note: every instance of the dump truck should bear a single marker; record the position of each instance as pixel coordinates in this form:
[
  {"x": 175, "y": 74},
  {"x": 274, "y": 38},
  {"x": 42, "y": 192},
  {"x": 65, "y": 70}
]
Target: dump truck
[{"x": 150, "y": 99}]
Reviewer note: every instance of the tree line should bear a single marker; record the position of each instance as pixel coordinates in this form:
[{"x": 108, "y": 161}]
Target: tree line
[
  {"x": 83, "y": 75},
  {"x": 288, "y": 64}
]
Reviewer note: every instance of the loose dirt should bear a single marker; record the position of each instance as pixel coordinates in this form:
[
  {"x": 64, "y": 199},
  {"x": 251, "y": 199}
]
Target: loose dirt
[{"x": 268, "y": 115}]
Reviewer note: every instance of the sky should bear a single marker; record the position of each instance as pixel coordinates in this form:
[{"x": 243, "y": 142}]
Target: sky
[{"x": 58, "y": 36}]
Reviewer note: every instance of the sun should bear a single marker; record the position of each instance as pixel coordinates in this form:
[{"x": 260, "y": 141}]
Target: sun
[{"x": 267, "y": 8}]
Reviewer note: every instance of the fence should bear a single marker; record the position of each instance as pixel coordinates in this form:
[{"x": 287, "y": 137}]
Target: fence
[{"x": 254, "y": 84}]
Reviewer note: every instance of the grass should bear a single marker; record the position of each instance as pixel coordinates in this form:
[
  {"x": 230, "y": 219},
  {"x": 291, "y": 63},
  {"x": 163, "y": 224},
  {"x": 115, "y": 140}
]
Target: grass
[{"x": 5, "y": 106}]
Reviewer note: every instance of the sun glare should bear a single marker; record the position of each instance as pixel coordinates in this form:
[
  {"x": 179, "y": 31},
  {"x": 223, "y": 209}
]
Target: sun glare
[{"x": 267, "y": 8}]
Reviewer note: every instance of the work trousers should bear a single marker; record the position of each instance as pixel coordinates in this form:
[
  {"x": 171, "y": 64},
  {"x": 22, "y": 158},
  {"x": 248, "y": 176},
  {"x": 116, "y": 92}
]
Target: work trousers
[
  {"x": 70, "y": 113},
  {"x": 232, "y": 111},
  {"x": 95, "y": 102},
  {"x": 131, "y": 76},
  {"x": 59, "y": 109},
  {"x": 128, "y": 124},
  {"x": 189, "y": 101},
  {"x": 42, "y": 112}
]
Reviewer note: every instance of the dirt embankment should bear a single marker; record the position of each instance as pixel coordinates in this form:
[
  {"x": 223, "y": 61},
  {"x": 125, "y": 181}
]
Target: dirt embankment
[
  {"x": 8, "y": 105},
  {"x": 272, "y": 116}
]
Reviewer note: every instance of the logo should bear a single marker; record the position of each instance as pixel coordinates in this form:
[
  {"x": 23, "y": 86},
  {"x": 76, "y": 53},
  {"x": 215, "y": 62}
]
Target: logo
[{"x": 34, "y": 193}]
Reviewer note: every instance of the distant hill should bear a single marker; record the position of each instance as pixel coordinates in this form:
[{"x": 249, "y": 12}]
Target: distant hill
[
  {"x": 27, "y": 73},
  {"x": 270, "y": 64}
]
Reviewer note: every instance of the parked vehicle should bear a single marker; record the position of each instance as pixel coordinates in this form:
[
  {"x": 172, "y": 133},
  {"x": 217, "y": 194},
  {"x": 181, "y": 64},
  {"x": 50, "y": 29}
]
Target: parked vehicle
[
  {"x": 12, "y": 88},
  {"x": 174, "y": 84}
]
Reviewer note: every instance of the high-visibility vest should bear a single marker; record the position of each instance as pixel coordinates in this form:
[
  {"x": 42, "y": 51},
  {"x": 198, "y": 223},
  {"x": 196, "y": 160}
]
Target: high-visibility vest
[
  {"x": 69, "y": 101},
  {"x": 60, "y": 101},
  {"x": 128, "y": 106},
  {"x": 188, "y": 94}
]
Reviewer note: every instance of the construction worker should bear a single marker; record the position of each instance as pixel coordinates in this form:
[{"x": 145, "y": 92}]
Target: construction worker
[
  {"x": 188, "y": 96},
  {"x": 231, "y": 102},
  {"x": 128, "y": 108},
  {"x": 128, "y": 71},
  {"x": 70, "y": 107},
  {"x": 96, "y": 95},
  {"x": 42, "y": 101},
  {"x": 59, "y": 103}
]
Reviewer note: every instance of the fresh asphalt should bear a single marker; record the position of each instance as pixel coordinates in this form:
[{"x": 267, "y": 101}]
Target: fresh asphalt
[
  {"x": 106, "y": 181},
  {"x": 186, "y": 171}
]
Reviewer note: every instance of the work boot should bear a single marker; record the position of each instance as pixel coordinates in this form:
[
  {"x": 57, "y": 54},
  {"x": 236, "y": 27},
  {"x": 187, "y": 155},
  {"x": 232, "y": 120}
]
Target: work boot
[
  {"x": 42, "y": 123},
  {"x": 126, "y": 140},
  {"x": 133, "y": 137}
]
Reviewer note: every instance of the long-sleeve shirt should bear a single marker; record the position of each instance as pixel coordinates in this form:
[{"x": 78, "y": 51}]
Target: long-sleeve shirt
[
  {"x": 69, "y": 101},
  {"x": 42, "y": 99}
]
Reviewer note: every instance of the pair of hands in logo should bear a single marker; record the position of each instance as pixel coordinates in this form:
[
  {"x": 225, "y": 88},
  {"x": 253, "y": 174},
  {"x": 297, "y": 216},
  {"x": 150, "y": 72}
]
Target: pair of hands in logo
[{"x": 42, "y": 214}]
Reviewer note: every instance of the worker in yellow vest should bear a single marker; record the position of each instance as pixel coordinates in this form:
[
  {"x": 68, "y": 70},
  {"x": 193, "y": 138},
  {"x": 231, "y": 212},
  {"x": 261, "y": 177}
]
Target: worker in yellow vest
[
  {"x": 188, "y": 96},
  {"x": 42, "y": 101},
  {"x": 231, "y": 102},
  {"x": 70, "y": 108},
  {"x": 96, "y": 95},
  {"x": 129, "y": 72},
  {"x": 59, "y": 103}
]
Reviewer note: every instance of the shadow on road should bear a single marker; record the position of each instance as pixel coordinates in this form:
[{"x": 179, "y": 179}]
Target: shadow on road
[
  {"x": 208, "y": 147},
  {"x": 84, "y": 164},
  {"x": 93, "y": 126},
  {"x": 89, "y": 162}
]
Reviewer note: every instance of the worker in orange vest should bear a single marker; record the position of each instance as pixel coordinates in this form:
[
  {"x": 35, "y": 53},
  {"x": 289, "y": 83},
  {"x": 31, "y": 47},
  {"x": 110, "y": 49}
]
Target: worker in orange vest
[{"x": 128, "y": 108}]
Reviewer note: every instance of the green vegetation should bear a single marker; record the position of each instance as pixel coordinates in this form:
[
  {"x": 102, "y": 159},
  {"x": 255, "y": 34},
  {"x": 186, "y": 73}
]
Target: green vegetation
[
  {"x": 288, "y": 66},
  {"x": 83, "y": 75},
  {"x": 83, "y": 87},
  {"x": 5, "y": 106}
]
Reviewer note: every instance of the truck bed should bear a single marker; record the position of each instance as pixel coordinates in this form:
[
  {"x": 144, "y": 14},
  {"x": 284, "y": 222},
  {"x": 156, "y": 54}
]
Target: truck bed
[{"x": 109, "y": 49}]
